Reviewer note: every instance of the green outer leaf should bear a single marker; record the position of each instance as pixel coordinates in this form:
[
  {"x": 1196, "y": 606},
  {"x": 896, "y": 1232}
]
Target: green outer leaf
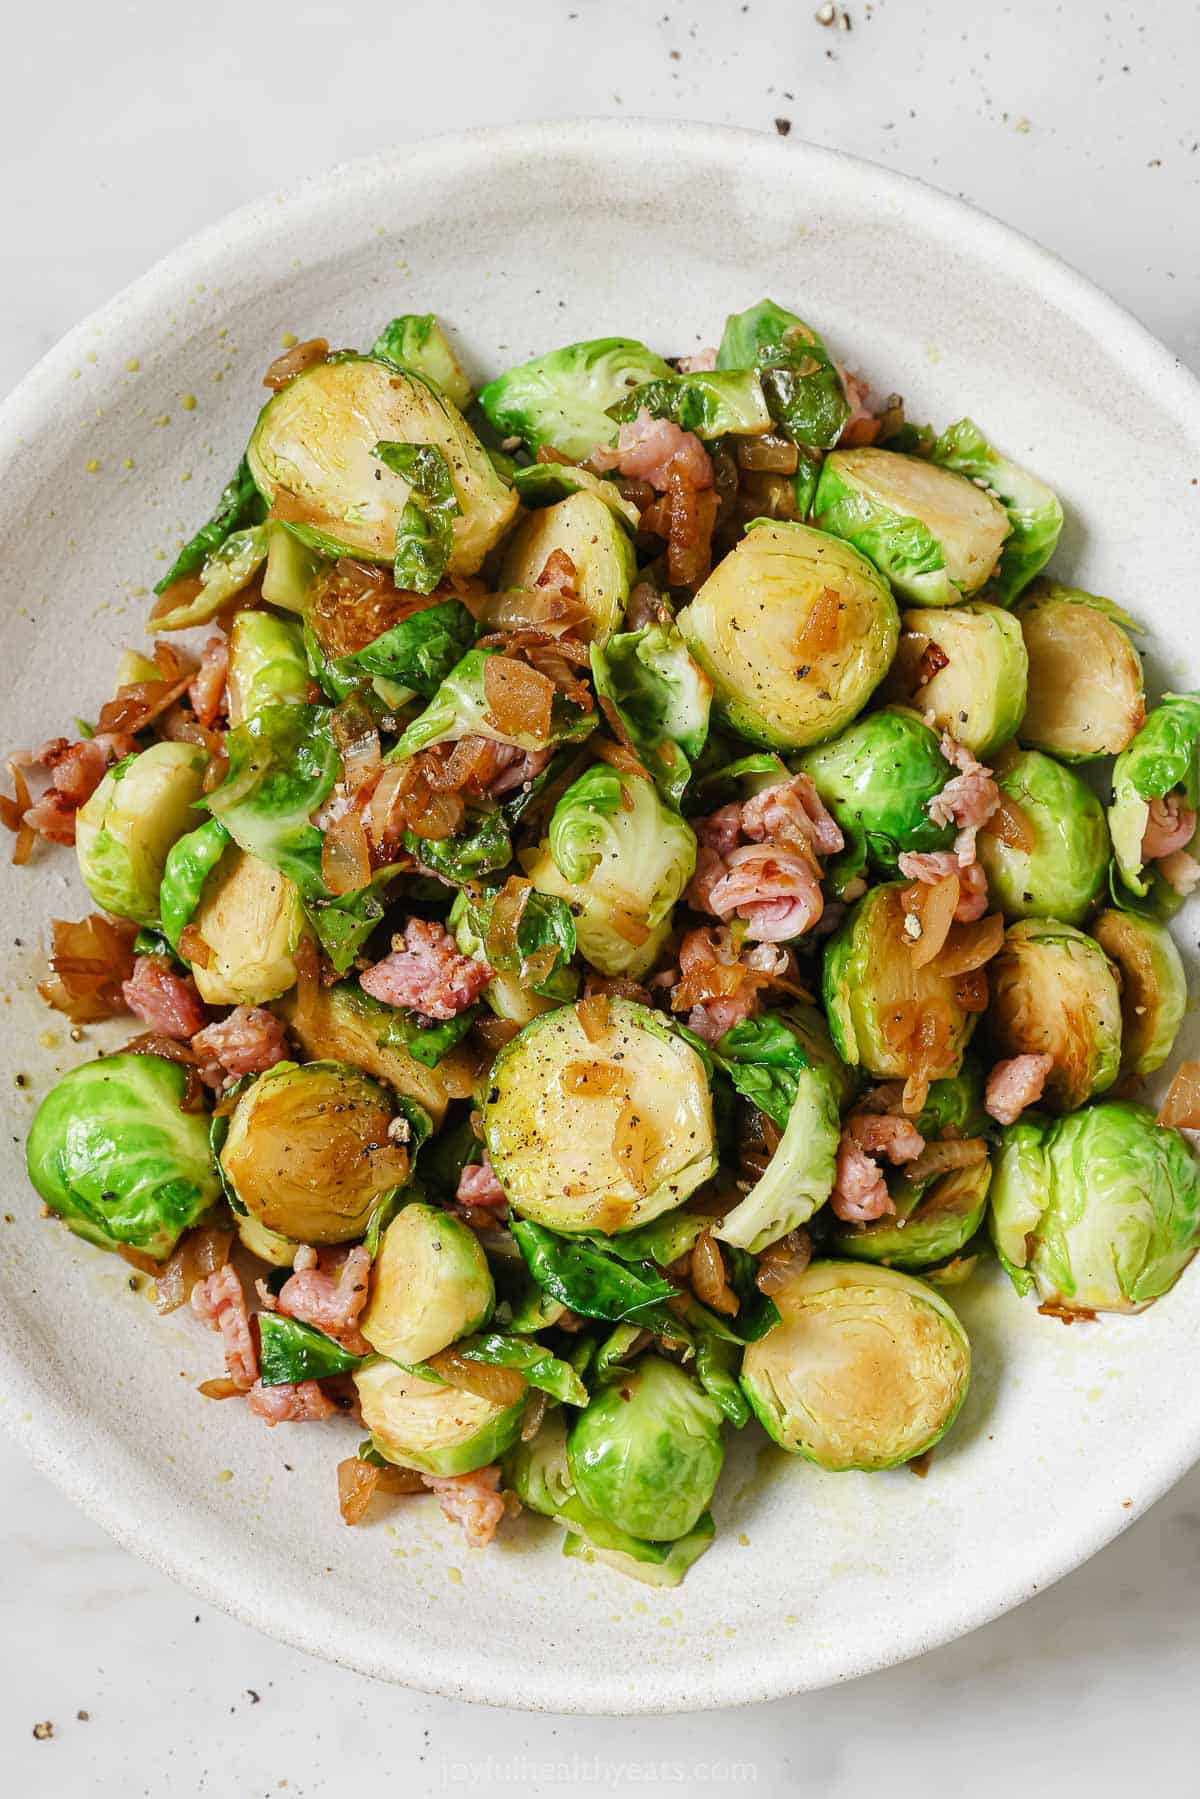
[
  {"x": 536, "y": 1363},
  {"x": 799, "y": 1177},
  {"x": 663, "y": 1240},
  {"x": 292, "y": 1351},
  {"x": 662, "y": 697},
  {"x": 717, "y": 1365},
  {"x": 764, "y": 1060},
  {"x": 240, "y": 505},
  {"x": 459, "y": 709},
  {"x": 282, "y": 767},
  {"x": 544, "y": 483},
  {"x": 800, "y": 382},
  {"x": 545, "y": 920},
  {"x": 425, "y": 532},
  {"x": 480, "y": 851},
  {"x": 609, "y": 1362},
  {"x": 427, "y": 1043},
  {"x": 190, "y": 861},
  {"x": 710, "y": 404},
  {"x": 1033, "y": 509},
  {"x": 416, "y": 340},
  {"x": 343, "y": 925},
  {"x": 757, "y": 1312},
  {"x": 419, "y": 652},
  {"x": 560, "y": 398},
  {"x": 230, "y": 568},
  {"x": 586, "y": 1279}
]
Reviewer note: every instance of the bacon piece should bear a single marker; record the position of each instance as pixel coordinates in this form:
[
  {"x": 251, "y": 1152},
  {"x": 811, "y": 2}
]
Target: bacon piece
[
  {"x": 647, "y": 448},
  {"x": 721, "y": 829},
  {"x": 207, "y": 689},
  {"x": 1015, "y": 1084},
  {"x": 249, "y": 1041},
  {"x": 860, "y": 1191},
  {"x": 515, "y": 768},
  {"x": 777, "y": 892},
  {"x": 971, "y": 796},
  {"x": 719, "y": 984},
  {"x": 478, "y": 1186},
  {"x": 293, "y": 1402},
  {"x": 862, "y": 426},
  {"x": 792, "y": 812},
  {"x": 1180, "y": 871},
  {"x": 1170, "y": 827},
  {"x": 166, "y": 1001},
  {"x": 426, "y": 972},
  {"x": 78, "y": 769},
  {"x": 329, "y": 1293},
  {"x": 472, "y": 1500},
  {"x": 700, "y": 362},
  {"x": 931, "y": 866},
  {"x": 886, "y": 1134},
  {"x": 219, "y": 1302}
]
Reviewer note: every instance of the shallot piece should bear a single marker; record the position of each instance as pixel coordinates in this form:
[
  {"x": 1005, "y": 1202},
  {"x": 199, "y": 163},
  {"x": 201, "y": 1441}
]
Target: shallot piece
[
  {"x": 207, "y": 688},
  {"x": 931, "y": 866},
  {"x": 219, "y": 1302}
]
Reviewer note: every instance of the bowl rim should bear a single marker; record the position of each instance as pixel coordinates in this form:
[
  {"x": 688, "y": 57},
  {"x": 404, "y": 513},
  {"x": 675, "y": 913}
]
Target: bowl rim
[{"x": 45, "y": 1430}]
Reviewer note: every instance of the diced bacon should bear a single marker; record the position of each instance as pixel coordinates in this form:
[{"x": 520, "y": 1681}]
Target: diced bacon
[
  {"x": 885, "y": 1134},
  {"x": 52, "y": 817},
  {"x": 78, "y": 768},
  {"x": 219, "y": 1302},
  {"x": 330, "y": 1296},
  {"x": 862, "y": 426},
  {"x": 166, "y": 1001},
  {"x": 1180, "y": 871},
  {"x": 699, "y": 363},
  {"x": 472, "y": 1500},
  {"x": 792, "y": 812},
  {"x": 478, "y": 1186},
  {"x": 1170, "y": 827},
  {"x": 207, "y": 690},
  {"x": 1015, "y": 1084},
  {"x": 932, "y": 866},
  {"x": 647, "y": 448},
  {"x": 719, "y": 987},
  {"x": 249, "y": 1041},
  {"x": 971, "y": 796},
  {"x": 294, "y": 1402},
  {"x": 859, "y": 1189},
  {"x": 515, "y": 768},
  {"x": 426, "y": 973},
  {"x": 721, "y": 829},
  {"x": 777, "y": 892}
]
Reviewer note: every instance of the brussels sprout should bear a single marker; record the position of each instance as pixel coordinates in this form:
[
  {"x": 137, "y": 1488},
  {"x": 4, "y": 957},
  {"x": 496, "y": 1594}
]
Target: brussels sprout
[
  {"x": 343, "y": 1024},
  {"x": 955, "y": 1107},
  {"x": 1054, "y": 993},
  {"x": 266, "y": 664},
  {"x": 932, "y": 1224},
  {"x": 799, "y": 1177},
  {"x": 422, "y": 1423},
  {"x": 251, "y": 918},
  {"x": 290, "y": 571},
  {"x": 599, "y": 1135},
  {"x": 115, "y": 1155},
  {"x": 417, "y": 341},
  {"x": 562, "y": 398},
  {"x": 268, "y": 1246},
  {"x": 620, "y": 859},
  {"x": 712, "y": 405},
  {"x": 599, "y": 547},
  {"x": 543, "y": 483},
  {"x": 311, "y": 455},
  {"x": 225, "y": 573},
  {"x": 1035, "y": 516},
  {"x": 124, "y": 831},
  {"x": 282, "y": 767},
  {"x": 877, "y": 780},
  {"x": 647, "y": 1455},
  {"x": 529, "y": 942},
  {"x": 867, "y": 1368},
  {"x": 885, "y": 1014},
  {"x": 538, "y": 1471},
  {"x": 935, "y": 535},
  {"x": 967, "y": 665},
  {"x": 1062, "y": 875},
  {"x": 1099, "y": 1211},
  {"x": 1163, "y": 758},
  {"x": 309, "y": 1151},
  {"x": 795, "y": 629},
  {"x": 1153, "y": 987},
  {"x": 802, "y": 387},
  {"x": 239, "y": 506},
  {"x": 189, "y": 862},
  {"x": 431, "y": 1286},
  {"x": 661, "y": 696},
  {"x": 461, "y": 708},
  {"x": 1085, "y": 677},
  {"x": 290, "y": 1351}
]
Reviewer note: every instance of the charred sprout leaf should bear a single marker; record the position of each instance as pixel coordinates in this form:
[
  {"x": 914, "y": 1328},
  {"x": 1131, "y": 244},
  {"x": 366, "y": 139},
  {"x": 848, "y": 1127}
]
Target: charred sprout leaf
[
  {"x": 662, "y": 698},
  {"x": 539, "y": 1367},
  {"x": 1035, "y": 516},
  {"x": 425, "y": 530},
  {"x": 416, "y": 341},
  {"x": 586, "y": 1279},
  {"x": 282, "y": 767},
  {"x": 428, "y": 1043},
  {"x": 292, "y": 1351},
  {"x": 730, "y": 403},
  {"x": 802, "y": 387},
  {"x": 240, "y": 505}
]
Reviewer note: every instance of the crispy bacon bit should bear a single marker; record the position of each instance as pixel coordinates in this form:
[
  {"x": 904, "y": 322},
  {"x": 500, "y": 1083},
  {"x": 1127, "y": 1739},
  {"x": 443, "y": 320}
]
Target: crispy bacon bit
[
  {"x": 166, "y": 1001},
  {"x": 89, "y": 961},
  {"x": 219, "y": 1302},
  {"x": 1180, "y": 871},
  {"x": 293, "y": 362},
  {"x": 1015, "y": 1084},
  {"x": 294, "y": 1402},
  {"x": 932, "y": 866},
  {"x": 648, "y": 449},
  {"x": 249, "y": 1041},
  {"x": 970, "y": 797},
  {"x": 1170, "y": 826},
  {"x": 699, "y": 362},
  {"x": 720, "y": 982},
  {"x": 472, "y": 1500},
  {"x": 1181, "y": 1107},
  {"x": 330, "y": 1296},
  {"x": 426, "y": 972},
  {"x": 478, "y": 1186},
  {"x": 860, "y": 1191},
  {"x": 207, "y": 689}
]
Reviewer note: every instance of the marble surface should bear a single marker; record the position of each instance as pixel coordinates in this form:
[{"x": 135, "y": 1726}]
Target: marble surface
[{"x": 124, "y": 129}]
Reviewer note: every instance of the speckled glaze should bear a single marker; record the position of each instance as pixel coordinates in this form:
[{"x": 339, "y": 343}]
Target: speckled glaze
[{"x": 115, "y": 445}]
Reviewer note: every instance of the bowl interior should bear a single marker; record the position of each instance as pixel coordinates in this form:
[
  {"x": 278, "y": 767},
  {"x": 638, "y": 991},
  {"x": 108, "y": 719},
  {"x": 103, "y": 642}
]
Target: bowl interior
[{"x": 521, "y": 240}]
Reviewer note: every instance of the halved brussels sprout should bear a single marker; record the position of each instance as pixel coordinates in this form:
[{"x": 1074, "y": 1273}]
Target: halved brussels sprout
[
  {"x": 646, "y": 1454},
  {"x": 115, "y": 1155},
  {"x": 799, "y": 1177},
  {"x": 309, "y": 1151},
  {"x": 343, "y": 1024},
  {"x": 599, "y": 1133},
  {"x": 251, "y": 918},
  {"x": 1164, "y": 758},
  {"x": 1063, "y": 873},
  {"x": 600, "y": 550},
  {"x": 311, "y": 457},
  {"x": 562, "y": 398},
  {"x": 866, "y": 1369},
  {"x": 291, "y": 566},
  {"x": 1035, "y": 516},
  {"x": 795, "y": 629},
  {"x": 885, "y": 1014},
  {"x": 418, "y": 1422},
  {"x": 267, "y": 665},
  {"x": 544, "y": 483},
  {"x": 967, "y": 665},
  {"x": 877, "y": 780},
  {"x": 124, "y": 831},
  {"x": 803, "y": 389},
  {"x": 1054, "y": 993},
  {"x": 935, "y": 535},
  {"x": 931, "y": 1225},
  {"x": 1099, "y": 1211},
  {"x": 620, "y": 859},
  {"x": 268, "y": 1246},
  {"x": 1085, "y": 677},
  {"x": 1153, "y": 987},
  {"x": 417, "y": 340},
  {"x": 431, "y": 1285},
  {"x": 282, "y": 768}
]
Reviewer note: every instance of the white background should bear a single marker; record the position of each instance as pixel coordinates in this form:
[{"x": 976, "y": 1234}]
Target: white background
[{"x": 126, "y": 127}]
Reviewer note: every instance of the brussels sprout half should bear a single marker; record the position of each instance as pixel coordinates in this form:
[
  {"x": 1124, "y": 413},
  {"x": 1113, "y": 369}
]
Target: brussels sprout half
[
  {"x": 646, "y": 1454},
  {"x": 267, "y": 665},
  {"x": 662, "y": 697},
  {"x": 881, "y": 1006},
  {"x": 419, "y": 1422},
  {"x": 1035, "y": 516},
  {"x": 343, "y": 1024},
  {"x": 795, "y": 629},
  {"x": 931, "y": 1224},
  {"x": 309, "y": 1151},
  {"x": 544, "y": 483},
  {"x": 461, "y": 708},
  {"x": 965, "y": 665},
  {"x": 417, "y": 341},
  {"x": 431, "y": 1285},
  {"x": 1054, "y": 993},
  {"x": 877, "y": 780},
  {"x": 935, "y": 535},
  {"x": 115, "y": 1155},
  {"x": 599, "y": 1135},
  {"x": 598, "y": 545},
  {"x": 1063, "y": 874},
  {"x": 311, "y": 457},
  {"x": 620, "y": 859},
  {"x": 562, "y": 398},
  {"x": 866, "y": 1369},
  {"x": 126, "y": 828},
  {"x": 1085, "y": 677},
  {"x": 251, "y": 918},
  {"x": 1164, "y": 758},
  {"x": 1153, "y": 987},
  {"x": 1099, "y": 1211}
]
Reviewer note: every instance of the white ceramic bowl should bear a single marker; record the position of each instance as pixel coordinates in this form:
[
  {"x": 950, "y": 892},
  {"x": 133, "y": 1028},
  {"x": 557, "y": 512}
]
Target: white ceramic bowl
[{"x": 522, "y": 239}]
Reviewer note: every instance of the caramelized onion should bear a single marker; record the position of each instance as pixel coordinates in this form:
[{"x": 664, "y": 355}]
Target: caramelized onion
[
  {"x": 783, "y": 1262},
  {"x": 1011, "y": 824},
  {"x": 630, "y": 1145},
  {"x": 969, "y": 946},
  {"x": 519, "y": 698},
  {"x": 224, "y": 1388},
  {"x": 767, "y": 454},
  {"x": 710, "y": 1283},
  {"x": 88, "y": 961},
  {"x": 592, "y": 1080},
  {"x": 1181, "y": 1107},
  {"x": 294, "y": 362},
  {"x": 193, "y": 948},
  {"x": 500, "y": 1386},
  {"x": 942, "y": 1157},
  {"x": 500, "y": 945},
  {"x": 357, "y": 1482},
  {"x": 13, "y": 811},
  {"x": 617, "y": 755},
  {"x": 179, "y": 593},
  {"x": 822, "y": 631},
  {"x": 592, "y": 1014},
  {"x": 357, "y": 743},
  {"x": 933, "y": 906},
  {"x": 346, "y": 855},
  {"x": 532, "y": 1416}
]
